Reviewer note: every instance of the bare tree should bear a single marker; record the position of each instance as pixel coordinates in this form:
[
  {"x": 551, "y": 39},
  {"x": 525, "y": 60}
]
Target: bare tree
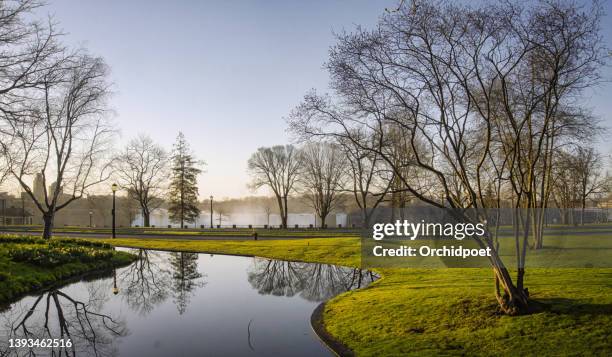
[
  {"x": 369, "y": 181},
  {"x": 368, "y": 177},
  {"x": 28, "y": 51},
  {"x": 476, "y": 87},
  {"x": 323, "y": 177},
  {"x": 565, "y": 186},
  {"x": 66, "y": 140},
  {"x": 268, "y": 212},
  {"x": 142, "y": 169},
  {"x": 220, "y": 214},
  {"x": 587, "y": 169},
  {"x": 276, "y": 167}
]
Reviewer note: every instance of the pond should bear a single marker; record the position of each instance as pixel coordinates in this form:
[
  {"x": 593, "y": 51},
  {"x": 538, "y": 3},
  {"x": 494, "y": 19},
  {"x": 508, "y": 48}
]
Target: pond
[{"x": 183, "y": 304}]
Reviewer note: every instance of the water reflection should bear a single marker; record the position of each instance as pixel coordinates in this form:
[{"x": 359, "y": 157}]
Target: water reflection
[
  {"x": 58, "y": 315},
  {"x": 146, "y": 282},
  {"x": 149, "y": 295},
  {"x": 185, "y": 278},
  {"x": 313, "y": 282}
]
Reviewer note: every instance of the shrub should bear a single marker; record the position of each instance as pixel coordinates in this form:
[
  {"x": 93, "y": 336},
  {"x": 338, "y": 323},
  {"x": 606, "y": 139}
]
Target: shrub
[
  {"x": 54, "y": 242},
  {"x": 19, "y": 239},
  {"x": 79, "y": 242},
  {"x": 56, "y": 255}
]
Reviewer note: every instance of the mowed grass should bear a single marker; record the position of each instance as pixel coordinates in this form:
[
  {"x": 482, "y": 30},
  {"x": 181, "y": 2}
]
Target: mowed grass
[
  {"x": 29, "y": 264},
  {"x": 443, "y": 311}
]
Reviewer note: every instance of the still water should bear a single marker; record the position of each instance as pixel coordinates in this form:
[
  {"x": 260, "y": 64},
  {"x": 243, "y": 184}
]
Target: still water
[{"x": 183, "y": 304}]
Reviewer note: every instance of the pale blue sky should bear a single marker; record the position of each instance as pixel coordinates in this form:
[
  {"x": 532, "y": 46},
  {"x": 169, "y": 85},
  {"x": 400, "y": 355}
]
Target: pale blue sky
[{"x": 223, "y": 72}]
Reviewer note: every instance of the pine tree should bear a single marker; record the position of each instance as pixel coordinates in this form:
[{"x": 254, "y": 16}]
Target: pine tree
[{"x": 183, "y": 198}]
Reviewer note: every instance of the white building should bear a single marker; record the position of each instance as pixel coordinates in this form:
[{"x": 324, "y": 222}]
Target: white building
[{"x": 159, "y": 218}]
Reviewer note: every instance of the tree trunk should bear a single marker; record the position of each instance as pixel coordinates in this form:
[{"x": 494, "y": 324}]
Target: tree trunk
[
  {"x": 281, "y": 211},
  {"x": 147, "y": 218},
  {"x": 366, "y": 219},
  {"x": 323, "y": 216},
  {"x": 286, "y": 215},
  {"x": 284, "y": 221},
  {"x": 563, "y": 216},
  {"x": 513, "y": 301},
  {"x": 48, "y": 224},
  {"x": 538, "y": 228}
]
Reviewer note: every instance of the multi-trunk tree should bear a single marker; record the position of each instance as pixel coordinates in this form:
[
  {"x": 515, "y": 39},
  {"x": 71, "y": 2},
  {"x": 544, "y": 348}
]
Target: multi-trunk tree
[{"x": 476, "y": 90}]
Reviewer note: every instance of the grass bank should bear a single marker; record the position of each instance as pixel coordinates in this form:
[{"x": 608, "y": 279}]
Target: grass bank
[
  {"x": 28, "y": 264},
  {"x": 442, "y": 311}
]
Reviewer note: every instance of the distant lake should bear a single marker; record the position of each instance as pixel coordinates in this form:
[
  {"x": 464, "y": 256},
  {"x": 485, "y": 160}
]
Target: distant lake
[{"x": 183, "y": 304}]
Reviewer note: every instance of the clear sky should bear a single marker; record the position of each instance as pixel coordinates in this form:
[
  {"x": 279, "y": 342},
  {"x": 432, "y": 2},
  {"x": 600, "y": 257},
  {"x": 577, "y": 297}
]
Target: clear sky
[{"x": 224, "y": 72}]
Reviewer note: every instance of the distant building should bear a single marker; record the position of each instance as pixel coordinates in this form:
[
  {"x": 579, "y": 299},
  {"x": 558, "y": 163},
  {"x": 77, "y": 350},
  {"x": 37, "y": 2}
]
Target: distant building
[
  {"x": 160, "y": 218},
  {"x": 10, "y": 214},
  {"x": 38, "y": 187},
  {"x": 90, "y": 210},
  {"x": 15, "y": 216}
]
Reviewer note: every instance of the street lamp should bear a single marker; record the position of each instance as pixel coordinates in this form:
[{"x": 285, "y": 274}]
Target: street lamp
[
  {"x": 90, "y": 215},
  {"x": 211, "y": 211},
  {"x": 114, "y": 187}
]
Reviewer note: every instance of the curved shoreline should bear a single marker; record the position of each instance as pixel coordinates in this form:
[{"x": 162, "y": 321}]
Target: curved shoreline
[{"x": 332, "y": 343}]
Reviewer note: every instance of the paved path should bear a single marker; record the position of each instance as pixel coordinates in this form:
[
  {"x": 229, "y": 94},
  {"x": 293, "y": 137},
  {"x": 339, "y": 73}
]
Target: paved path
[{"x": 162, "y": 236}]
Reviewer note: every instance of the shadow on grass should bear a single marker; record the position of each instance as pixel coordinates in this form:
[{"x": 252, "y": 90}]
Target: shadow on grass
[{"x": 574, "y": 307}]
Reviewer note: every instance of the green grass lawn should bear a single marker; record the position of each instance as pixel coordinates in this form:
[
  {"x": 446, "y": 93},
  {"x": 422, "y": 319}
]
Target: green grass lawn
[
  {"x": 443, "y": 311},
  {"x": 28, "y": 264}
]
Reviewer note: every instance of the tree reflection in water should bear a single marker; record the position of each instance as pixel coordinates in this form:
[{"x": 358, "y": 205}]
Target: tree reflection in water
[
  {"x": 57, "y": 315},
  {"x": 145, "y": 283},
  {"x": 314, "y": 282},
  {"x": 185, "y": 278}
]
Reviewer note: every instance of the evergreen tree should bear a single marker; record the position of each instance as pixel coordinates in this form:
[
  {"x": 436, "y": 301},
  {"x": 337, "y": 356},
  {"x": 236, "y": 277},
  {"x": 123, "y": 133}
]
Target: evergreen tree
[{"x": 183, "y": 198}]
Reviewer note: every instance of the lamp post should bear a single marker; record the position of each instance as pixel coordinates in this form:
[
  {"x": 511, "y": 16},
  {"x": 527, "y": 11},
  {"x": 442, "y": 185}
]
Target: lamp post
[
  {"x": 90, "y": 215},
  {"x": 114, "y": 187},
  {"x": 211, "y": 211}
]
